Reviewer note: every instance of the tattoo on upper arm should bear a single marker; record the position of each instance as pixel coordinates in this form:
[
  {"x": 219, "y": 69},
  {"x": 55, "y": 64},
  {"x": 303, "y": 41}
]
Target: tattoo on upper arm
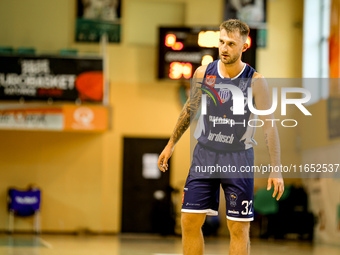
[
  {"x": 253, "y": 81},
  {"x": 194, "y": 98},
  {"x": 190, "y": 109}
]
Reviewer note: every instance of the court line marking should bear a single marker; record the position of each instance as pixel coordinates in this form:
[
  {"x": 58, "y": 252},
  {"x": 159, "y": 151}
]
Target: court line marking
[{"x": 47, "y": 244}]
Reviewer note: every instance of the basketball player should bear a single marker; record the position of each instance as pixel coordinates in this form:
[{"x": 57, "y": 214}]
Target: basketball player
[{"x": 224, "y": 144}]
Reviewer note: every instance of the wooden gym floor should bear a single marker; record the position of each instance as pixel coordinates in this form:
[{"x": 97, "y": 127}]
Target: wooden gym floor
[{"x": 145, "y": 245}]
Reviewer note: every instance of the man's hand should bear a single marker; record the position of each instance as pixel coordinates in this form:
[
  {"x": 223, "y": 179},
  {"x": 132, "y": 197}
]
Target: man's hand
[
  {"x": 278, "y": 185},
  {"x": 164, "y": 157},
  {"x": 190, "y": 108},
  {"x": 271, "y": 136}
]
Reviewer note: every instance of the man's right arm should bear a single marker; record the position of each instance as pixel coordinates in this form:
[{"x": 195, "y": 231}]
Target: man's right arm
[{"x": 190, "y": 109}]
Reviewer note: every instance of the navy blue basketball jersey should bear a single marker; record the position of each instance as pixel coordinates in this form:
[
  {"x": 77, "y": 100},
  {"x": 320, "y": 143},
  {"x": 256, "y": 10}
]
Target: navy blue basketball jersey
[{"x": 220, "y": 129}]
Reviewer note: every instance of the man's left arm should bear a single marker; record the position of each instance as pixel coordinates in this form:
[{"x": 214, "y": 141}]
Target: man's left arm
[{"x": 263, "y": 102}]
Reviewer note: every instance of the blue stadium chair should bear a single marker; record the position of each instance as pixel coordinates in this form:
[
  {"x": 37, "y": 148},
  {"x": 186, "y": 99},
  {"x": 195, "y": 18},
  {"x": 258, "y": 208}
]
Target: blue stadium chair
[{"x": 24, "y": 203}]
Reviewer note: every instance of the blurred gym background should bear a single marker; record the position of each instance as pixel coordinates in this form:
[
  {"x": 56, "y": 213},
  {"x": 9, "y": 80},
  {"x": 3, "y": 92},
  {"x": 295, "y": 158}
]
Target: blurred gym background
[{"x": 93, "y": 154}]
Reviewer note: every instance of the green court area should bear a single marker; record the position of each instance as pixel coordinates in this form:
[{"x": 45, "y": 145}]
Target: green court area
[{"x": 21, "y": 241}]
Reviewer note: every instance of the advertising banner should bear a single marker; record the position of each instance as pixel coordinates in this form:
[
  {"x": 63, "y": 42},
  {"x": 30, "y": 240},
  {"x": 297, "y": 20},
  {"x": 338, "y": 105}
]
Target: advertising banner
[
  {"x": 88, "y": 118},
  {"x": 42, "y": 78}
]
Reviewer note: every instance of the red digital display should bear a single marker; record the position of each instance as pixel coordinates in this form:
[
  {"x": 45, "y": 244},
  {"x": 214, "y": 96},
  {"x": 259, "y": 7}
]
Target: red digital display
[
  {"x": 182, "y": 50},
  {"x": 179, "y": 70}
]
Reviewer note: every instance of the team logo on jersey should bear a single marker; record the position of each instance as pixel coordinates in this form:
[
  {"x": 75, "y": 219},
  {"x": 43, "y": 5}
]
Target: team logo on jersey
[
  {"x": 232, "y": 199},
  {"x": 210, "y": 95},
  {"x": 243, "y": 85},
  {"x": 210, "y": 80},
  {"x": 224, "y": 94}
]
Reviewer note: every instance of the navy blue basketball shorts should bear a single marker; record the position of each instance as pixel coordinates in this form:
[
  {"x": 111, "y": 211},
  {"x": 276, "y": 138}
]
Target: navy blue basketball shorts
[{"x": 202, "y": 188}]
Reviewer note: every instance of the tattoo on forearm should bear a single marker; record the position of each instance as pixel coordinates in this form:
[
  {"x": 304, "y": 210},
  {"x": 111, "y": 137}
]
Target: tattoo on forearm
[
  {"x": 190, "y": 109},
  {"x": 182, "y": 125},
  {"x": 266, "y": 139},
  {"x": 273, "y": 146}
]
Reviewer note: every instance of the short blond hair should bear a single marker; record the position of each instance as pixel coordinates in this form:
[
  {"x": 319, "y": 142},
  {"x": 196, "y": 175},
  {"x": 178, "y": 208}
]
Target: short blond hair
[{"x": 232, "y": 25}]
